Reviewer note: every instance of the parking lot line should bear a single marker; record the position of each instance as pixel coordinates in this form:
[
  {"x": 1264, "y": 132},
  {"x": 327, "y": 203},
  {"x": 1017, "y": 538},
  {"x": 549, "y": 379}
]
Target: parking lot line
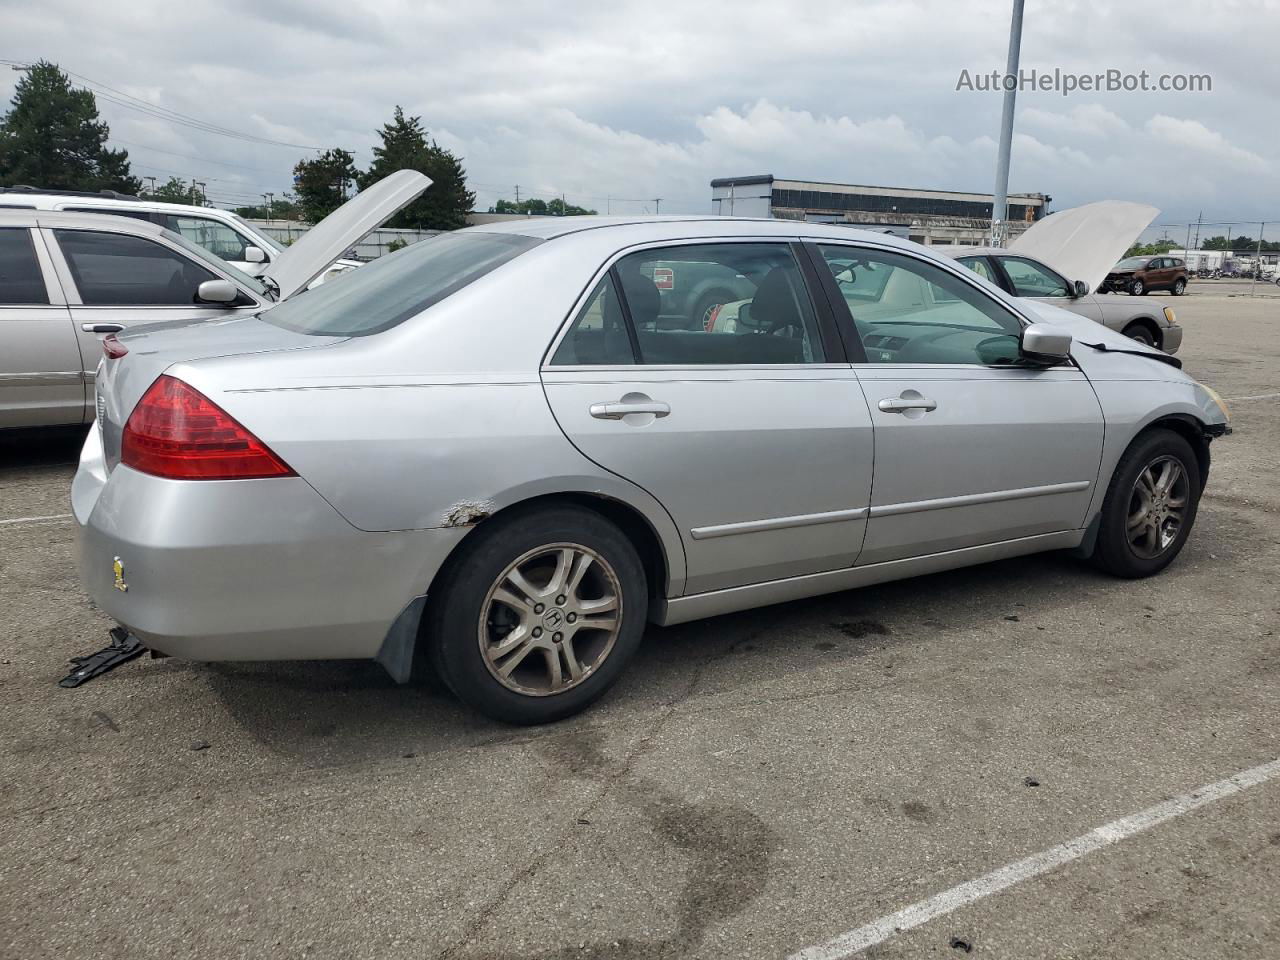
[
  {"x": 855, "y": 941},
  {"x": 1259, "y": 396},
  {"x": 19, "y": 521}
]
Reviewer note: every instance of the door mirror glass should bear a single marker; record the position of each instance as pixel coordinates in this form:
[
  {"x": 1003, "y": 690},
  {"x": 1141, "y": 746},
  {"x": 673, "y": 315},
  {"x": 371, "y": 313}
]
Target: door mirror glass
[
  {"x": 1045, "y": 343},
  {"x": 218, "y": 292},
  {"x": 1080, "y": 288},
  {"x": 254, "y": 255}
]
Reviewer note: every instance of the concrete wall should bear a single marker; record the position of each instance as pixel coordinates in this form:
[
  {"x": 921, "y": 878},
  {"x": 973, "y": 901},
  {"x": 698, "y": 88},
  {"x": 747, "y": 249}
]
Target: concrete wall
[{"x": 371, "y": 247}]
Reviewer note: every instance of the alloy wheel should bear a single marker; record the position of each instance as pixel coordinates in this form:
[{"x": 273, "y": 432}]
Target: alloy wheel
[
  {"x": 550, "y": 619},
  {"x": 1157, "y": 507}
]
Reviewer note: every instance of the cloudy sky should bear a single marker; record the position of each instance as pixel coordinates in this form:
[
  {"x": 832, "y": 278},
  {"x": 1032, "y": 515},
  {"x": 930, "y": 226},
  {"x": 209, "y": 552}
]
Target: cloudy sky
[{"x": 635, "y": 100}]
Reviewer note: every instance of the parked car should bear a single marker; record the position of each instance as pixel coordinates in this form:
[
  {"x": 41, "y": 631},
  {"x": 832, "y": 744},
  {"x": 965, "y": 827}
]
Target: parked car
[
  {"x": 1139, "y": 318},
  {"x": 486, "y": 446},
  {"x": 67, "y": 280},
  {"x": 223, "y": 233},
  {"x": 1138, "y": 275}
]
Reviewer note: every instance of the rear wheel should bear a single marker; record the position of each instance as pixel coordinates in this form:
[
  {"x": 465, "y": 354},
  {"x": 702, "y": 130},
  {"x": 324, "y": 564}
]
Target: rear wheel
[
  {"x": 1140, "y": 332},
  {"x": 1150, "y": 506},
  {"x": 1137, "y": 288},
  {"x": 538, "y": 616},
  {"x": 1179, "y": 287}
]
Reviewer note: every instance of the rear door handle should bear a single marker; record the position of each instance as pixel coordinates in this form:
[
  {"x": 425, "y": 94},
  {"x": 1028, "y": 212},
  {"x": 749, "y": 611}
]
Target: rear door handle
[
  {"x": 903, "y": 404},
  {"x": 620, "y": 408},
  {"x": 102, "y": 327}
]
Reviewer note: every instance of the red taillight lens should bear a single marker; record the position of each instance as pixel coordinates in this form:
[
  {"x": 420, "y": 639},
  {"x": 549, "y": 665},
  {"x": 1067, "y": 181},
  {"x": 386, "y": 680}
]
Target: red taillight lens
[
  {"x": 175, "y": 431},
  {"x": 113, "y": 348}
]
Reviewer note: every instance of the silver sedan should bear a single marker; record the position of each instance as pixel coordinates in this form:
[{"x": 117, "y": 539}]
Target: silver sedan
[{"x": 510, "y": 447}]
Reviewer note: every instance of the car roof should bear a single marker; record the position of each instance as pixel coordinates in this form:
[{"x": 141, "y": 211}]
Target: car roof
[
  {"x": 626, "y": 230},
  {"x": 58, "y": 218},
  {"x": 48, "y": 201}
]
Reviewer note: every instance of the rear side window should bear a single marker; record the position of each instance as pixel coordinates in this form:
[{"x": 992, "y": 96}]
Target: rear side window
[
  {"x": 21, "y": 281},
  {"x": 116, "y": 269},
  {"x": 394, "y": 288},
  {"x": 217, "y": 238}
]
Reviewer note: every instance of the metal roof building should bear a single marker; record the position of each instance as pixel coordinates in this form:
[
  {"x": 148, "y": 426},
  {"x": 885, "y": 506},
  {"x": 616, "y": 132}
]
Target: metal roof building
[{"x": 925, "y": 216}]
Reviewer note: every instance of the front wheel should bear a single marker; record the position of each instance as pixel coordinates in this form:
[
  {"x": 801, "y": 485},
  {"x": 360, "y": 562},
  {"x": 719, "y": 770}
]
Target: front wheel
[
  {"x": 1179, "y": 287},
  {"x": 1137, "y": 288},
  {"x": 538, "y": 616},
  {"x": 1140, "y": 332},
  {"x": 1150, "y": 506}
]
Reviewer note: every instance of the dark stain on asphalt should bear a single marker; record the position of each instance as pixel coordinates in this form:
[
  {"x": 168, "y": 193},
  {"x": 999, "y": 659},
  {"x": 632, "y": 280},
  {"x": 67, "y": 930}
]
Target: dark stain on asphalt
[
  {"x": 824, "y": 646},
  {"x": 728, "y": 848},
  {"x": 857, "y": 629},
  {"x": 917, "y": 811},
  {"x": 103, "y": 720}
]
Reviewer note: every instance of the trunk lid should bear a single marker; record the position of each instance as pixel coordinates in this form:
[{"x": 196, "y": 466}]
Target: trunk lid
[
  {"x": 1084, "y": 243},
  {"x": 121, "y": 383},
  {"x": 312, "y": 253}
]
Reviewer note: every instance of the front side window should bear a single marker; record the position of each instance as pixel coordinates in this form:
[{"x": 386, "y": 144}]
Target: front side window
[
  {"x": 218, "y": 238},
  {"x": 920, "y": 313},
  {"x": 1030, "y": 279},
  {"x": 116, "y": 269},
  {"x": 21, "y": 281},
  {"x": 713, "y": 303},
  {"x": 981, "y": 267}
]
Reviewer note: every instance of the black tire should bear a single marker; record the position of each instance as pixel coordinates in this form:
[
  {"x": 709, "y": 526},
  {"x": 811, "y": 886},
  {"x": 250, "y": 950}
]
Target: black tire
[
  {"x": 457, "y": 601},
  {"x": 1140, "y": 332},
  {"x": 1113, "y": 551},
  {"x": 1179, "y": 287},
  {"x": 701, "y": 309},
  {"x": 1137, "y": 288}
]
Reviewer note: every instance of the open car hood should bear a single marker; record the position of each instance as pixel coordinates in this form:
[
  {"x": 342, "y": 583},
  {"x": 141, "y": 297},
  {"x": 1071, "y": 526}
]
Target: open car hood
[
  {"x": 310, "y": 255},
  {"x": 1084, "y": 243}
]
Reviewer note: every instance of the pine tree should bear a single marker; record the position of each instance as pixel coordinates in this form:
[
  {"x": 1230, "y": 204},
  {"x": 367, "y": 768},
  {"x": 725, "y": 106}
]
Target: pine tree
[
  {"x": 52, "y": 138},
  {"x": 321, "y": 184},
  {"x": 406, "y": 146}
]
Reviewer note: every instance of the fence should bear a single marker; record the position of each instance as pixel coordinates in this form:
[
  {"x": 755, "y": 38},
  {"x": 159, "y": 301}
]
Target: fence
[{"x": 371, "y": 247}]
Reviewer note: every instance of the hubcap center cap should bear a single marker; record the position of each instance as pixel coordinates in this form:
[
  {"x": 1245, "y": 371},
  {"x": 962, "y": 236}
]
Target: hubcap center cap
[{"x": 553, "y": 618}]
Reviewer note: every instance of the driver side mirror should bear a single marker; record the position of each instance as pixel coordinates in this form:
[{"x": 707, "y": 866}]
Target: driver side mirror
[
  {"x": 218, "y": 293},
  {"x": 1045, "y": 344},
  {"x": 1080, "y": 289},
  {"x": 255, "y": 255}
]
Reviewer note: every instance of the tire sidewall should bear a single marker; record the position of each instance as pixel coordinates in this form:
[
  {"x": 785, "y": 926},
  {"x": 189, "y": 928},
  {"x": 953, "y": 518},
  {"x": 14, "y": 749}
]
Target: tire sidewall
[
  {"x": 1145, "y": 335},
  {"x": 455, "y": 610},
  {"x": 1179, "y": 287},
  {"x": 1113, "y": 550},
  {"x": 1137, "y": 288}
]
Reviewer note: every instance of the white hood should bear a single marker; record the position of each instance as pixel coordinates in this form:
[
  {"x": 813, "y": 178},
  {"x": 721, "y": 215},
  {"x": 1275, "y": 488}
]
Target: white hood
[
  {"x": 310, "y": 255},
  {"x": 1084, "y": 243}
]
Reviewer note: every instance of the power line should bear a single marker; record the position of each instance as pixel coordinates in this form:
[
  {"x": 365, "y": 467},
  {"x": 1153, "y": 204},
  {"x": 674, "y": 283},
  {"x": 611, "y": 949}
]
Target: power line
[{"x": 187, "y": 156}]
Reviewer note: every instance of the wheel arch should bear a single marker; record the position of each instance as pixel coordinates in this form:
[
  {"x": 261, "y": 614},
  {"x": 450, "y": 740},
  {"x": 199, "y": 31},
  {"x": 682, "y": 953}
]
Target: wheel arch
[{"x": 1149, "y": 323}]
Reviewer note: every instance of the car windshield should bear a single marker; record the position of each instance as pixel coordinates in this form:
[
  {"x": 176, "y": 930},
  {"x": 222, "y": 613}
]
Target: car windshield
[
  {"x": 261, "y": 237},
  {"x": 1132, "y": 263},
  {"x": 236, "y": 274},
  {"x": 393, "y": 288}
]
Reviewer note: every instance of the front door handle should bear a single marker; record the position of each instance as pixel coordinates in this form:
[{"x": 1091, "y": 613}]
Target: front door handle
[
  {"x": 624, "y": 407},
  {"x": 102, "y": 327},
  {"x": 904, "y": 403}
]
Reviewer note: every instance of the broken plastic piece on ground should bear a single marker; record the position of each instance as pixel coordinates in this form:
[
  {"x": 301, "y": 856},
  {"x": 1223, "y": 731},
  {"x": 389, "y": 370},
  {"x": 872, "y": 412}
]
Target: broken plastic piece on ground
[
  {"x": 959, "y": 943},
  {"x": 124, "y": 647}
]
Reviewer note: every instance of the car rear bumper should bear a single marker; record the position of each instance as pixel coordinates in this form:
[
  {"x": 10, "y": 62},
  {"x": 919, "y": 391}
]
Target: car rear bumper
[{"x": 243, "y": 569}]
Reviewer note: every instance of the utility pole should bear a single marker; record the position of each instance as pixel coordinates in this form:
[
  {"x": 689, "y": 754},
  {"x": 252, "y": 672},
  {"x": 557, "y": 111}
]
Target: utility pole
[
  {"x": 1257, "y": 266},
  {"x": 1186, "y": 247},
  {"x": 1000, "y": 206},
  {"x": 191, "y": 191},
  {"x": 204, "y": 197},
  {"x": 1199, "y": 219},
  {"x": 609, "y": 207},
  {"x": 271, "y": 202},
  {"x": 517, "y": 194},
  {"x": 657, "y": 206},
  {"x": 153, "y": 185}
]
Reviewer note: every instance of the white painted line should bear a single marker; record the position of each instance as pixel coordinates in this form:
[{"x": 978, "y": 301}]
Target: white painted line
[
  {"x": 20, "y": 521},
  {"x": 1260, "y": 396},
  {"x": 855, "y": 941}
]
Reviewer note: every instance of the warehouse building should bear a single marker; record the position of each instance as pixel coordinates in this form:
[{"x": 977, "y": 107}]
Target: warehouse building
[{"x": 926, "y": 216}]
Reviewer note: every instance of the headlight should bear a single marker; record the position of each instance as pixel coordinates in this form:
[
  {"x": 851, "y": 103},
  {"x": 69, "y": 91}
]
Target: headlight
[
  {"x": 1222, "y": 404},
  {"x": 1168, "y": 315}
]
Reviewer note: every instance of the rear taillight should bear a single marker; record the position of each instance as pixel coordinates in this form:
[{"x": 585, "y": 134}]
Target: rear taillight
[
  {"x": 112, "y": 347},
  {"x": 175, "y": 431}
]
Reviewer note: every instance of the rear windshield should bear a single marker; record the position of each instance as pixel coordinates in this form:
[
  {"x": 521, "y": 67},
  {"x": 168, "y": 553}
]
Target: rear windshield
[{"x": 386, "y": 292}]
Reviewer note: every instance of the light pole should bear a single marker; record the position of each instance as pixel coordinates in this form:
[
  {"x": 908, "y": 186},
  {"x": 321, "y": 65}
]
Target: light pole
[
  {"x": 1000, "y": 206},
  {"x": 153, "y": 186}
]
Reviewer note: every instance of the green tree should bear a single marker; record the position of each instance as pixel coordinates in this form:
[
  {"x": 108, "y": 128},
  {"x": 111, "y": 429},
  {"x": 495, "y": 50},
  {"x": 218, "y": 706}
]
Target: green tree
[
  {"x": 556, "y": 208},
  {"x": 1150, "y": 249},
  {"x": 322, "y": 184},
  {"x": 282, "y": 208},
  {"x": 1240, "y": 244},
  {"x": 177, "y": 190},
  {"x": 406, "y": 146},
  {"x": 52, "y": 138}
]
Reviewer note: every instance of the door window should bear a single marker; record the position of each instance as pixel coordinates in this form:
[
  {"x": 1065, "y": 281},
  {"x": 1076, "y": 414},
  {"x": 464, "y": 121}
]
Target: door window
[
  {"x": 21, "y": 281},
  {"x": 116, "y": 269},
  {"x": 981, "y": 267},
  {"x": 908, "y": 311},
  {"x": 113, "y": 212},
  {"x": 218, "y": 238},
  {"x": 1031, "y": 279},
  {"x": 715, "y": 303}
]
